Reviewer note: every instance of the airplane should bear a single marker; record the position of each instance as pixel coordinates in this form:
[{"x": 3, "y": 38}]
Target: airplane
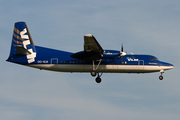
[{"x": 93, "y": 59}]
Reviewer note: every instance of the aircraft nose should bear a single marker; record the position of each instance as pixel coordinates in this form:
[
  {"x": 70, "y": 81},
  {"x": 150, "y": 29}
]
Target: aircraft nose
[
  {"x": 168, "y": 65},
  {"x": 171, "y": 66}
]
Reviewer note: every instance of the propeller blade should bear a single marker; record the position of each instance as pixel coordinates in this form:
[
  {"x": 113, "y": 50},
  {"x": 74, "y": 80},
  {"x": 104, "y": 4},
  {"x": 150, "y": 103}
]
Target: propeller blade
[
  {"x": 122, "y": 48},
  {"x": 122, "y": 54}
]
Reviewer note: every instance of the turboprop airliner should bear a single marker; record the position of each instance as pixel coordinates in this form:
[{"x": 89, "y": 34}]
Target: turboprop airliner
[{"x": 93, "y": 59}]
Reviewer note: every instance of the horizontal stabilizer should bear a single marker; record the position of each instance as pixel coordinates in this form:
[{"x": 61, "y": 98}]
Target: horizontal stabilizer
[{"x": 21, "y": 50}]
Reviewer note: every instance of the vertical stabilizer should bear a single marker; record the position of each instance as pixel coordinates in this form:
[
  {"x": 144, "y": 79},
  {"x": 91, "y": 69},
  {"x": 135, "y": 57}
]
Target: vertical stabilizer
[{"x": 22, "y": 43}]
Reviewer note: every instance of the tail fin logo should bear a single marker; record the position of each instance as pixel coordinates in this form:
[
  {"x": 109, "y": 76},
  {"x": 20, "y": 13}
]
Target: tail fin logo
[{"x": 30, "y": 57}]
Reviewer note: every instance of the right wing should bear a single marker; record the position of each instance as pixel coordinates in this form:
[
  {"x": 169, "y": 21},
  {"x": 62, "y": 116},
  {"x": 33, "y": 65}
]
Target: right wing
[
  {"x": 92, "y": 49},
  {"x": 91, "y": 44}
]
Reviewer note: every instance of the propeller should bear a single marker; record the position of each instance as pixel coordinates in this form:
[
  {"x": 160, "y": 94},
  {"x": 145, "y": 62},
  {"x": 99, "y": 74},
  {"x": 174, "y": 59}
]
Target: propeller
[{"x": 122, "y": 54}]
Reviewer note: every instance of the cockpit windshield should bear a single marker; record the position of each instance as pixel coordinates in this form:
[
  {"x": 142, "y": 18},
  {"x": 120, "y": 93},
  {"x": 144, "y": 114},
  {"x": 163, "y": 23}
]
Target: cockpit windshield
[{"x": 153, "y": 59}]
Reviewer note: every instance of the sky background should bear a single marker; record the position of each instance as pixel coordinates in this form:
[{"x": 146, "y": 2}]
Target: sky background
[{"x": 143, "y": 26}]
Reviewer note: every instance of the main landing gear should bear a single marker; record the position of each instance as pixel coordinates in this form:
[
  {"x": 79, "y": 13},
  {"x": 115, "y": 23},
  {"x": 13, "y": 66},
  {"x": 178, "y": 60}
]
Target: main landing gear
[
  {"x": 94, "y": 73},
  {"x": 98, "y": 78},
  {"x": 161, "y": 77}
]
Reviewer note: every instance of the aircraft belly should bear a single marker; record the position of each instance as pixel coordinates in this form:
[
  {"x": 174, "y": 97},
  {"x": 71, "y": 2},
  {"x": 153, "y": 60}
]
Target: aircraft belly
[{"x": 101, "y": 68}]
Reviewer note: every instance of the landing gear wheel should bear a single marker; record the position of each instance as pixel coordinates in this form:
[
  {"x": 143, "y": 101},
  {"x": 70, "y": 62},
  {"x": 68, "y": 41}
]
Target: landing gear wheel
[
  {"x": 93, "y": 73},
  {"x": 161, "y": 77},
  {"x": 98, "y": 79}
]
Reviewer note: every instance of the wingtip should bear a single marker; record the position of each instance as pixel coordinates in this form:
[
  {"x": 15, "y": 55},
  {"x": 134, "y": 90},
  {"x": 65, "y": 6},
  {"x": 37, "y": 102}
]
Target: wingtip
[{"x": 88, "y": 35}]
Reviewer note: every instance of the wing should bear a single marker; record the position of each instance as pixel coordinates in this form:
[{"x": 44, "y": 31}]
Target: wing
[
  {"x": 92, "y": 49},
  {"x": 91, "y": 44}
]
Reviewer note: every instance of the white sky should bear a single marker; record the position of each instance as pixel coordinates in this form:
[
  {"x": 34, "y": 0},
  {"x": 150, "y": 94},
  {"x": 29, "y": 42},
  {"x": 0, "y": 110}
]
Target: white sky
[{"x": 143, "y": 26}]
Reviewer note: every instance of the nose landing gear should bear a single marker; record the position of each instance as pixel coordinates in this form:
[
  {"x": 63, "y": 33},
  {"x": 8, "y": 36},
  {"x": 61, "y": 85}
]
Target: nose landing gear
[{"x": 161, "y": 77}]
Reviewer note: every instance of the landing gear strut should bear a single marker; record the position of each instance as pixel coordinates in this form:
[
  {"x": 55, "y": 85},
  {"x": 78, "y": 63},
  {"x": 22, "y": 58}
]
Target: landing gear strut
[{"x": 161, "y": 77}]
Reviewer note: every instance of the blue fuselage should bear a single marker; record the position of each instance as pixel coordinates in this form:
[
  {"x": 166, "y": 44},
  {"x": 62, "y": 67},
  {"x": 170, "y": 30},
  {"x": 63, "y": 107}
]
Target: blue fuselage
[{"x": 57, "y": 60}]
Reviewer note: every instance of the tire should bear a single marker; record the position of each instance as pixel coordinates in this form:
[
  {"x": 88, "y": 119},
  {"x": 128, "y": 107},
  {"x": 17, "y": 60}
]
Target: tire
[
  {"x": 93, "y": 73},
  {"x": 161, "y": 77},
  {"x": 98, "y": 79}
]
